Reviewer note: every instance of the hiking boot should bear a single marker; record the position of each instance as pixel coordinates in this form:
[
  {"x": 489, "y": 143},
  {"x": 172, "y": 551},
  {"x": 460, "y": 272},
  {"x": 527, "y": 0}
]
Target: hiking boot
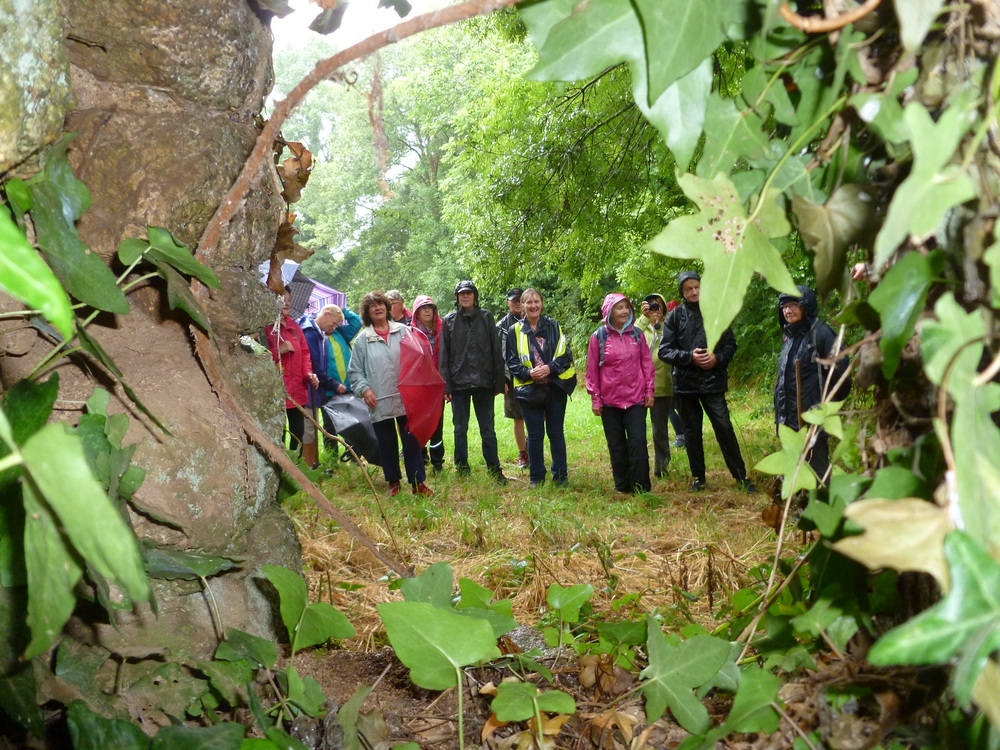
[
  {"x": 747, "y": 486},
  {"x": 698, "y": 485},
  {"x": 393, "y": 489},
  {"x": 423, "y": 489},
  {"x": 679, "y": 442},
  {"x": 522, "y": 460}
]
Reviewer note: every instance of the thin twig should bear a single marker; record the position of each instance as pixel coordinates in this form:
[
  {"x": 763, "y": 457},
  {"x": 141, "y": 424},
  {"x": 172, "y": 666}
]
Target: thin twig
[
  {"x": 816, "y": 25},
  {"x": 795, "y": 726}
]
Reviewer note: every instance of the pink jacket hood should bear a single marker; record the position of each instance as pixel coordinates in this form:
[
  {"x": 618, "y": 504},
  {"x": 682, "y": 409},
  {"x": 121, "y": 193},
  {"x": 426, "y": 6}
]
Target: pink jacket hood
[
  {"x": 421, "y": 301},
  {"x": 610, "y": 301}
]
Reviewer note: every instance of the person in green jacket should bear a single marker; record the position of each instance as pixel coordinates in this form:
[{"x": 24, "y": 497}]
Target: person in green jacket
[{"x": 654, "y": 307}]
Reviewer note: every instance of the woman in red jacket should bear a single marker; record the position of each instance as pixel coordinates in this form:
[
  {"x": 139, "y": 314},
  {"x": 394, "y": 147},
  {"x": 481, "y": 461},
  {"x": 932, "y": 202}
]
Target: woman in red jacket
[{"x": 289, "y": 349}]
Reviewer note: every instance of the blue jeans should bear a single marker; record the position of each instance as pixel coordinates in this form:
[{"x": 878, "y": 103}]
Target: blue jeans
[
  {"x": 482, "y": 399},
  {"x": 388, "y": 450},
  {"x": 537, "y": 421}
]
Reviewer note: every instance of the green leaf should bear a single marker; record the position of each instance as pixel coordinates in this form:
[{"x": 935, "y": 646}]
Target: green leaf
[
  {"x": 625, "y": 633},
  {"x": 821, "y": 614},
  {"x": 19, "y": 193},
  {"x": 915, "y": 20},
  {"x": 320, "y": 623},
  {"x": 18, "y": 693},
  {"x": 933, "y": 186},
  {"x": 752, "y": 710},
  {"x": 515, "y": 701},
  {"x": 347, "y": 717},
  {"x": 556, "y": 702},
  {"x": 472, "y": 594},
  {"x": 130, "y": 250},
  {"x": 55, "y": 461},
  {"x": 730, "y": 248},
  {"x": 786, "y": 463},
  {"x": 895, "y": 483},
  {"x": 170, "y": 564},
  {"x": 306, "y": 694},
  {"x": 679, "y": 35},
  {"x": 674, "y": 671},
  {"x": 229, "y": 678},
  {"x": 92, "y": 732},
  {"x": 569, "y": 600},
  {"x": 899, "y": 299},
  {"x": 98, "y": 402},
  {"x": 967, "y": 618},
  {"x": 329, "y": 20},
  {"x": 24, "y": 275},
  {"x": 28, "y": 406},
  {"x": 730, "y": 135},
  {"x": 432, "y": 586},
  {"x": 292, "y": 593},
  {"x": 829, "y": 230},
  {"x": 826, "y": 516},
  {"x": 825, "y": 415},
  {"x": 240, "y": 645},
  {"x": 434, "y": 642},
  {"x": 180, "y": 296},
  {"x": 164, "y": 247},
  {"x": 951, "y": 340},
  {"x": 53, "y": 571},
  {"x": 258, "y": 743},
  {"x": 679, "y": 113},
  {"x": 225, "y": 736},
  {"x": 12, "y": 568},
  {"x": 283, "y": 741},
  {"x": 762, "y": 87}
]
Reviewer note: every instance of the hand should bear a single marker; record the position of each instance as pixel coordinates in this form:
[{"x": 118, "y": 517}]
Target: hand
[
  {"x": 341, "y": 388},
  {"x": 285, "y": 347},
  {"x": 447, "y": 397},
  {"x": 506, "y": 389},
  {"x": 859, "y": 271},
  {"x": 649, "y": 402},
  {"x": 370, "y": 399},
  {"x": 645, "y": 308},
  {"x": 703, "y": 359},
  {"x": 314, "y": 380},
  {"x": 597, "y": 410},
  {"x": 540, "y": 372}
]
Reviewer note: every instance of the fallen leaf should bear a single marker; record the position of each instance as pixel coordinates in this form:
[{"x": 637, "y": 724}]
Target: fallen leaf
[
  {"x": 492, "y": 724},
  {"x": 488, "y": 689}
]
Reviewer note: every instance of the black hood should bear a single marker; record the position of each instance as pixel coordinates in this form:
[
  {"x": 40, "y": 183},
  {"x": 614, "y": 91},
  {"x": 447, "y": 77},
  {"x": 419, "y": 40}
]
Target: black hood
[
  {"x": 467, "y": 286},
  {"x": 686, "y": 276},
  {"x": 810, "y": 309}
]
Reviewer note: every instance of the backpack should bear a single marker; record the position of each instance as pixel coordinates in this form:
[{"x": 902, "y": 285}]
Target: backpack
[
  {"x": 602, "y": 336},
  {"x": 844, "y": 390}
]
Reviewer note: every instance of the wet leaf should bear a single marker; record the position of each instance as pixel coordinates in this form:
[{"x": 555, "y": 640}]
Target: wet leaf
[
  {"x": 307, "y": 624},
  {"x": 825, "y": 415},
  {"x": 673, "y": 673},
  {"x": 730, "y": 248},
  {"x": 280, "y": 739},
  {"x": 241, "y": 645},
  {"x": 568, "y": 600},
  {"x": 786, "y": 463},
  {"x": 24, "y": 275},
  {"x": 92, "y": 732},
  {"x": 306, "y": 694},
  {"x": 900, "y": 534},
  {"x": 434, "y": 642},
  {"x": 899, "y": 299},
  {"x": 433, "y": 586},
  {"x": 731, "y": 134}
]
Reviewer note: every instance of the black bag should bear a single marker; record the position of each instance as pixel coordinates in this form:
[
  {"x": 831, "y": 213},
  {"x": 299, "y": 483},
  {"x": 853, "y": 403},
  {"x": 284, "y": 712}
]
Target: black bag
[{"x": 533, "y": 394}]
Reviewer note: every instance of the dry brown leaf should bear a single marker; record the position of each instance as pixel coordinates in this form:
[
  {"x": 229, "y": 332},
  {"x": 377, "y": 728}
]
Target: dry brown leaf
[
  {"x": 492, "y": 724},
  {"x": 488, "y": 689},
  {"x": 551, "y": 725},
  {"x": 639, "y": 743},
  {"x": 275, "y": 282},
  {"x": 771, "y": 516},
  {"x": 903, "y": 534}
]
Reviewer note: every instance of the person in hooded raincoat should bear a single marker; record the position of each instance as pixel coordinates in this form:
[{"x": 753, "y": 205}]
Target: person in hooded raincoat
[
  {"x": 650, "y": 322},
  {"x": 805, "y": 340},
  {"x": 701, "y": 379},
  {"x": 428, "y": 322},
  {"x": 620, "y": 381}
]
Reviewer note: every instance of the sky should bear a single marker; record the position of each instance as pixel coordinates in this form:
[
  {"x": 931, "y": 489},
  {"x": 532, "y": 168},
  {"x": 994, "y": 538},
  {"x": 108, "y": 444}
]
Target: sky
[{"x": 361, "y": 19}]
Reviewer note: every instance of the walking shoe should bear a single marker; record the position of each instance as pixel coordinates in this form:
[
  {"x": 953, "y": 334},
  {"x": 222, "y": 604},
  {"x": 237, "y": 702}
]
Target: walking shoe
[
  {"x": 747, "y": 486},
  {"x": 679, "y": 442},
  {"x": 423, "y": 489},
  {"x": 698, "y": 485},
  {"x": 437, "y": 468},
  {"x": 393, "y": 489},
  {"x": 522, "y": 460},
  {"x": 499, "y": 478}
]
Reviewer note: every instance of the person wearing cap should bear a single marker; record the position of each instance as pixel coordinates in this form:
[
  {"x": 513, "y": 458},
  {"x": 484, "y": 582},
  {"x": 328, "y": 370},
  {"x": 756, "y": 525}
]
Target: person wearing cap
[
  {"x": 399, "y": 313},
  {"x": 511, "y": 408},
  {"x": 654, "y": 307},
  {"x": 471, "y": 364},
  {"x": 427, "y": 321},
  {"x": 701, "y": 380}
]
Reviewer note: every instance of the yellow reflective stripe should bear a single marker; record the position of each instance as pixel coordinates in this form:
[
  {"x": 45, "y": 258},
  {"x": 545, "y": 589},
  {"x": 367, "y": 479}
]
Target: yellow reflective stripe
[{"x": 524, "y": 355}]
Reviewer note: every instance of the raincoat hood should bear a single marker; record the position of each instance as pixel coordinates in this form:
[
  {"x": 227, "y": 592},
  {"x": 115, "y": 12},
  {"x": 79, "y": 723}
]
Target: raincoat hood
[
  {"x": 810, "y": 310},
  {"x": 686, "y": 276},
  {"x": 422, "y": 301},
  {"x": 609, "y": 302},
  {"x": 466, "y": 286},
  {"x": 657, "y": 297}
]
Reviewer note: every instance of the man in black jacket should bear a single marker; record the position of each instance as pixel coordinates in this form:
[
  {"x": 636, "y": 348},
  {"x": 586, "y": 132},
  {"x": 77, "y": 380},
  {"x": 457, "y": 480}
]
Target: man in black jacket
[
  {"x": 511, "y": 409},
  {"x": 471, "y": 363},
  {"x": 700, "y": 383}
]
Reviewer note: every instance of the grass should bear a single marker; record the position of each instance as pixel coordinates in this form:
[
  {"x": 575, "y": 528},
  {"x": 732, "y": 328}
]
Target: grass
[{"x": 669, "y": 552}]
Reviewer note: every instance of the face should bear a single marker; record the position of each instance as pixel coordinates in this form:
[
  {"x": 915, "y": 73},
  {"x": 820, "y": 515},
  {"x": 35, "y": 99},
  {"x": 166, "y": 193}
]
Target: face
[
  {"x": 792, "y": 312},
  {"x": 378, "y": 313},
  {"x": 532, "y": 306},
  {"x": 691, "y": 290},
  {"x": 466, "y": 300},
  {"x": 397, "y": 309},
  {"x": 326, "y": 322},
  {"x": 619, "y": 313},
  {"x": 514, "y": 305},
  {"x": 286, "y": 305},
  {"x": 426, "y": 316}
]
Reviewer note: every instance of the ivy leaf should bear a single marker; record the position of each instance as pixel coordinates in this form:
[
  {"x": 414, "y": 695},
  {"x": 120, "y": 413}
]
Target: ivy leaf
[
  {"x": 240, "y": 645},
  {"x": 829, "y": 230},
  {"x": 568, "y": 600},
  {"x": 306, "y": 694},
  {"x": 785, "y": 463},
  {"x": 293, "y": 595},
  {"x": 825, "y": 415},
  {"x": 432, "y": 586},
  {"x": 679, "y": 113},
  {"x": 968, "y": 616},
  {"x": 320, "y": 623},
  {"x": 950, "y": 339},
  {"x": 170, "y": 564},
  {"x": 434, "y": 642},
  {"x": 180, "y": 296},
  {"x": 760, "y": 87},
  {"x": 229, "y": 678},
  {"x": 347, "y": 717},
  {"x": 730, "y": 248},
  {"x": 679, "y": 35},
  {"x": 58, "y": 469},
  {"x": 92, "y": 732},
  {"x": 752, "y": 710},
  {"x": 163, "y": 246},
  {"x": 130, "y": 250},
  {"x": 900, "y": 534},
  {"x": 24, "y": 275},
  {"x": 933, "y": 186},
  {"x": 730, "y": 135},
  {"x": 915, "y": 20},
  {"x": 516, "y": 701},
  {"x": 329, "y": 20},
  {"x": 899, "y": 299},
  {"x": 224, "y": 736}
]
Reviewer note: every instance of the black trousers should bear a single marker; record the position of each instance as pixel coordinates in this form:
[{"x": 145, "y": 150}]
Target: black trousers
[
  {"x": 296, "y": 428},
  {"x": 625, "y": 430},
  {"x": 433, "y": 452},
  {"x": 659, "y": 415},
  {"x": 692, "y": 406}
]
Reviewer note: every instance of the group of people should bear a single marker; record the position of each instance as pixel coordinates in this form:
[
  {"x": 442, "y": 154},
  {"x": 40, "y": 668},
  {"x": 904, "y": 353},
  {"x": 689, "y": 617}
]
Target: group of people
[{"x": 655, "y": 363}]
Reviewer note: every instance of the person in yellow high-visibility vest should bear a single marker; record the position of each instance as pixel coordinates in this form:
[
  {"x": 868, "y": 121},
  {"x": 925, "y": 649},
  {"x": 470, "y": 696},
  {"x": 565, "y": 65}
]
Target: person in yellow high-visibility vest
[{"x": 541, "y": 366}]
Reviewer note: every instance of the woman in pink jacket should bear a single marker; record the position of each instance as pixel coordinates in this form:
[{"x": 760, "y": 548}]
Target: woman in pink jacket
[{"x": 620, "y": 383}]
